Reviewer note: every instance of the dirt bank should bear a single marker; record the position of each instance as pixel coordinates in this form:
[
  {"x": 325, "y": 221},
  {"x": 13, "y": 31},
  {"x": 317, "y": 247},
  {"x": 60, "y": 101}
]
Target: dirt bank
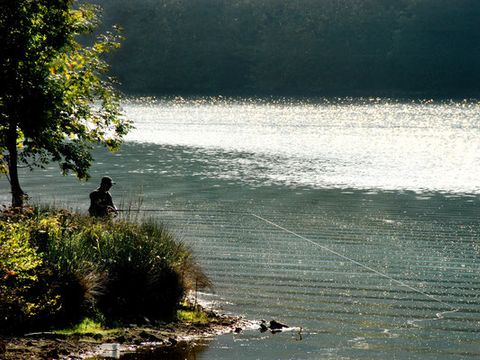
[{"x": 119, "y": 341}]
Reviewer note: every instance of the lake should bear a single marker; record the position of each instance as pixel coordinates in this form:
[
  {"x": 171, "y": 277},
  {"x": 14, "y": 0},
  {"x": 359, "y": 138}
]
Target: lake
[{"x": 356, "y": 221}]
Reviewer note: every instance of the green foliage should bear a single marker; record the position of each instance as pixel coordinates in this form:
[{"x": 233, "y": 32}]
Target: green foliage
[
  {"x": 297, "y": 47},
  {"x": 78, "y": 266},
  {"x": 55, "y": 100},
  {"x": 20, "y": 265},
  {"x": 86, "y": 326},
  {"x": 193, "y": 315},
  {"x": 17, "y": 258}
]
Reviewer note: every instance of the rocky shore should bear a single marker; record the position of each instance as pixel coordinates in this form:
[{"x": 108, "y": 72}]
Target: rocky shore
[{"x": 122, "y": 341}]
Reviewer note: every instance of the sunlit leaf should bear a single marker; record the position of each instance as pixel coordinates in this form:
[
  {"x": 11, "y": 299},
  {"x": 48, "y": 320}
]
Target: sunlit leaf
[{"x": 53, "y": 89}]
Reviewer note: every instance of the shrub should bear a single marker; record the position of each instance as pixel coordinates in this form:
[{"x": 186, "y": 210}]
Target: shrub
[
  {"x": 70, "y": 266},
  {"x": 144, "y": 264},
  {"x": 18, "y": 264}
]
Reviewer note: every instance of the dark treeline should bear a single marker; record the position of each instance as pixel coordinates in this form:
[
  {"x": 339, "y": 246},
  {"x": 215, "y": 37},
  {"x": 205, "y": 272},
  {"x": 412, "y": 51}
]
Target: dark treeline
[{"x": 298, "y": 47}]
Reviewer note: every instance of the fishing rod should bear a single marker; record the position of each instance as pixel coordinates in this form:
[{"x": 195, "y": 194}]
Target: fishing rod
[{"x": 184, "y": 210}]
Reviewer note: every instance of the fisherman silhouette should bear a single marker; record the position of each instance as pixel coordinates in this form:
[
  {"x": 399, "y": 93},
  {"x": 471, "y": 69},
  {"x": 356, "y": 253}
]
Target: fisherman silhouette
[{"x": 101, "y": 203}]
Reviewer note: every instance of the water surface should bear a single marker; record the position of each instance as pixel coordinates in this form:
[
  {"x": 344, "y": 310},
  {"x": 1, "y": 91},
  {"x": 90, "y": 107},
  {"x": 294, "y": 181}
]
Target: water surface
[{"x": 391, "y": 186}]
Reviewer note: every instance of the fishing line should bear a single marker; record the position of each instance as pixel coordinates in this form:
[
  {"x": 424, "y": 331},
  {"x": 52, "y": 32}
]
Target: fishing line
[{"x": 439, "y": 315}]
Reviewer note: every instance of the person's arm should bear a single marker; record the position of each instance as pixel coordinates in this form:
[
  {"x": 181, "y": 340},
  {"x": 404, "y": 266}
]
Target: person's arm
[{"x": 110, "y": 205}]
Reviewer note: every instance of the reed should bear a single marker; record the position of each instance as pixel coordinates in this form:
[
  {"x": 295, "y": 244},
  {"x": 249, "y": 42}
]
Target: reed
[{"x": 113, "y": 271}]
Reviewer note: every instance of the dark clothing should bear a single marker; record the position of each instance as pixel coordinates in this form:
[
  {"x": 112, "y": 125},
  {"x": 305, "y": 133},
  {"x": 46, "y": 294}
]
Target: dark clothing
[{"x": 100, "y": 203}]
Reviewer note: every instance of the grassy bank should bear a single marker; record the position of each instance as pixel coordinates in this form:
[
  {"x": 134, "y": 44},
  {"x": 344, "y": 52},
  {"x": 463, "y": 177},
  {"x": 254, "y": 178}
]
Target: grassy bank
[{"x": 57, "y": 268}]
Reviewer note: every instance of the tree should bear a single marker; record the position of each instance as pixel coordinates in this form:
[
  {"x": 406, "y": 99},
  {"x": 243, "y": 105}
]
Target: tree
[{"x": 55, "y": 99}]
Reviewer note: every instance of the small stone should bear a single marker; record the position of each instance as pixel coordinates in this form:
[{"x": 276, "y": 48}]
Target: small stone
[
  {"x": 63, "y": 352},
  {"x": 52, "y": 354},
  {"x": 97, "y": 336},
  {"x": 238, "y": 330},
  {"x": 120, "y": 339},
  {"x": 275, "y": 325},
  {"x": 146, "y": 336}
]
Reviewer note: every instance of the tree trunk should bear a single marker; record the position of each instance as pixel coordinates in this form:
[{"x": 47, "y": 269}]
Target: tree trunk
[{"x": 17, "y": 192}]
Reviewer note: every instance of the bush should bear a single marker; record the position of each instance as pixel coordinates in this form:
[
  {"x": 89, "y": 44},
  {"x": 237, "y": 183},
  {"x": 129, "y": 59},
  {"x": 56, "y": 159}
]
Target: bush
[
  {"x": 58, "y": 267},
  {"x": 18, "y": 271}
]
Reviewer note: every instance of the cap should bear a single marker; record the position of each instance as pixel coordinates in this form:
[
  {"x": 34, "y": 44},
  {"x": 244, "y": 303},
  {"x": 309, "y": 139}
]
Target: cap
[{"x": 107, "y": 180}]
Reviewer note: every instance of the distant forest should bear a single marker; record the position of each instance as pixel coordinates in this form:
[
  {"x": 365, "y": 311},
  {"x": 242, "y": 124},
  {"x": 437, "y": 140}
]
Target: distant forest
[{"x": 297, "y": 47}]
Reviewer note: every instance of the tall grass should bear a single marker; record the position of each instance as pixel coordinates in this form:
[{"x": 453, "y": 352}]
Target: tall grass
[{"x": 113, "y": 270}]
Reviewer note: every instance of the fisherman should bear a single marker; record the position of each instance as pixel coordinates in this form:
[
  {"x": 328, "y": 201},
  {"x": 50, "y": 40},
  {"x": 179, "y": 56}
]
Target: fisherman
[{"x": 101, "y": 203}]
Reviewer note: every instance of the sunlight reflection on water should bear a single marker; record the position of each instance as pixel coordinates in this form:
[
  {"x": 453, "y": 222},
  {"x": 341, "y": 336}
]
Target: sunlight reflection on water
[{"x": 415, "y": 146}]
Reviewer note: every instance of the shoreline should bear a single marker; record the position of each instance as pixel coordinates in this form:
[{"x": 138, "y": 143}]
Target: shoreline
[{"x": 121, "y": 341}]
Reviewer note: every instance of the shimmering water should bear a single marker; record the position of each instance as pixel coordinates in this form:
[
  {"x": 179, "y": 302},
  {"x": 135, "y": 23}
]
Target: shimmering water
[
  {"x": 392, "y": 186},
  {"x": 380, "y": 145}
]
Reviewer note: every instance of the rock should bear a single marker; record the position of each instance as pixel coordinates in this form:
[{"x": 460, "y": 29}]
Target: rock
[
  {"x": 201, "y": 325},
  {"x": 212, "y": 314},
  {"x": 97, "y": 336},
  {"x": 148, "y": 336},
  {"x": 263, "y": 326},
  {"x": 63, "y": 352},
  {"x": 154, "y": 338},
  {"x": 143, "y": 334},
  {"x": 76, "y": 337},
  {"x": 121, "y": 339},
  {"x": 275, "y": 325},
  {"x": 238, "y": 330},
  {"x": 52, "y": 354},
  {"x": 172, "y": 340}
]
